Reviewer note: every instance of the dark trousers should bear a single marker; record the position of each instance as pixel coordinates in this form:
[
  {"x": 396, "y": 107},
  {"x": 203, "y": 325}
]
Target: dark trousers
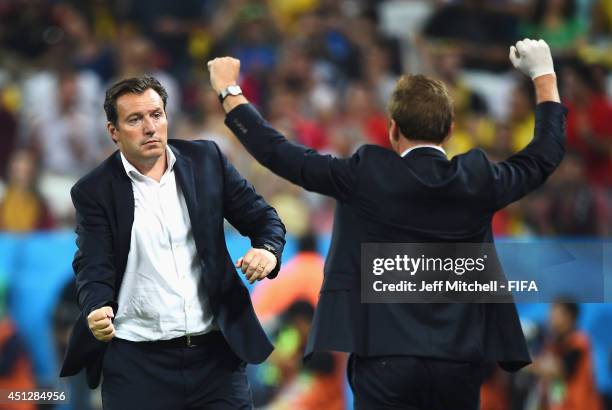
[
  {"x": 413, "y": 383},
  {"x": 147, "y": 376}
]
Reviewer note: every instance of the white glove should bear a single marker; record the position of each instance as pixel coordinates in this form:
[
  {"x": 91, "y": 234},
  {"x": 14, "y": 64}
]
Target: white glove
[{"x": 532, "y": 57}]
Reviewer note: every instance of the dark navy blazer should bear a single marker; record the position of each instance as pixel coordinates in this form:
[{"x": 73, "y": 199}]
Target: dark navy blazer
[
  {"x": 213, "y": 191},
  {"x": 422, "y": 197}
]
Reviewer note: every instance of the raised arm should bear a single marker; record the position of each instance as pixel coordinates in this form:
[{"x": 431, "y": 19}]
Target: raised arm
[
  {"x": 301, "y": 165},
  {"x": 530, "y": 167}
]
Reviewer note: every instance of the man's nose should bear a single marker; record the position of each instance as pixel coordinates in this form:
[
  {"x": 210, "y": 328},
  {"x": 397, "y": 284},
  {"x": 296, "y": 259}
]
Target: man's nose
[{"x": 148, "y": 126}]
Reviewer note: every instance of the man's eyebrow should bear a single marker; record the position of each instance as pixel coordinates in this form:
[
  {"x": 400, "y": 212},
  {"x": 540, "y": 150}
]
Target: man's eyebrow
[{"x": 140, "y": 113}]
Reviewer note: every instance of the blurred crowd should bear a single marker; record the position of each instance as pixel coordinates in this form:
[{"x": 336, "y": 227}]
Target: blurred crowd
[{"x": 319, "y": 70}]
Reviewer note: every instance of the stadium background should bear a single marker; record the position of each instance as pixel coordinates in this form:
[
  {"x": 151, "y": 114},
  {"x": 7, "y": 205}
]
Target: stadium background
[{"x": 321, "y": 71}]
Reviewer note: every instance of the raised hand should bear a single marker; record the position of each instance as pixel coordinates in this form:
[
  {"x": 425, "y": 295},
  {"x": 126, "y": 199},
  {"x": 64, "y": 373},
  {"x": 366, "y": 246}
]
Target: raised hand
[
  {"x": 532, "y": 57},
  {"x": 224, "y": 71}
]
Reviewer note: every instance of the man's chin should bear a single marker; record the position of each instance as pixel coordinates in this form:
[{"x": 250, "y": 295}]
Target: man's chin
[{"x": 153, "y": 149}]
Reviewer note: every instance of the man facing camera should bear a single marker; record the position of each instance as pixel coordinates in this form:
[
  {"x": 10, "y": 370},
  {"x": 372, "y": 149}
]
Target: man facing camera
[
  {"x": 164, "y": 316},
  {"x": 411, "y": 356}
]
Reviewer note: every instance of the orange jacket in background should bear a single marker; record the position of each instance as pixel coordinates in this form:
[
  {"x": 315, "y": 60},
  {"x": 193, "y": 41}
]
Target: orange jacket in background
[{"x": 299, "y": 279}]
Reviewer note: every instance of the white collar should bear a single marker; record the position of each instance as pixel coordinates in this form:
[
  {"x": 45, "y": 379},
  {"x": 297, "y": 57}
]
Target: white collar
[
  {"x": 439, "y": 148},
  {"x": 132, "y": 172}
]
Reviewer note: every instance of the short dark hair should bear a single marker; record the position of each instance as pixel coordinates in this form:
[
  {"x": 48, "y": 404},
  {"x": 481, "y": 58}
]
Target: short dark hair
[
  {"x": 135, "y": 85},
  {"x": 422, "y": 108}
]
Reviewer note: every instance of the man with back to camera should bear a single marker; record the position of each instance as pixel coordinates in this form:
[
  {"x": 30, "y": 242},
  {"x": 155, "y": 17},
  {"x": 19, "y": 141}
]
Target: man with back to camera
[
  {"x": 411, "y": 356},
  {"x": 164, "y": 316}
]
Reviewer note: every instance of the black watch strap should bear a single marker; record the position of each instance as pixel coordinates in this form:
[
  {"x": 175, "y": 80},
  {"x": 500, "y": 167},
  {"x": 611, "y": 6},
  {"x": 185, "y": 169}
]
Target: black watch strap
[{"x": 270, "y": 249}]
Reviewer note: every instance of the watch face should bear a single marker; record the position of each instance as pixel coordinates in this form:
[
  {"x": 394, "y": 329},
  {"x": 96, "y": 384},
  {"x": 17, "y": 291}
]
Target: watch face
[{"x": 234, "y": 90}]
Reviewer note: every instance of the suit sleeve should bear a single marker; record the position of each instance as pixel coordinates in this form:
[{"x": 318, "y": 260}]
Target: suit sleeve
[
  {"x": 530, "y": 167},
  {"x": 303, "y": 166},
  {"x": 248, "y": 212},
  {"x": 93, "y": 261}
]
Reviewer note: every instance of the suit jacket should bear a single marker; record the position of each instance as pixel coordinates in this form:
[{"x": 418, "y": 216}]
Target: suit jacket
[
  {"x": 213, "y": 190},
  {"x": 422, "y": 197}
]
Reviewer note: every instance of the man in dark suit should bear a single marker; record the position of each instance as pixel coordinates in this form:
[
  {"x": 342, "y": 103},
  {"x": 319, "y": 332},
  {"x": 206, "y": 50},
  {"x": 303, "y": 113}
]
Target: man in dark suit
[
  {"x": 164, "y": 316},
  {"x": 411, "y": 356}
]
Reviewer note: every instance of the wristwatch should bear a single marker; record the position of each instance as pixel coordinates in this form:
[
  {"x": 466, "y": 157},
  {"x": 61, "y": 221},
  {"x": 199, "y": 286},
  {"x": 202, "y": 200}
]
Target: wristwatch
[{"x": 231, "y": 90}]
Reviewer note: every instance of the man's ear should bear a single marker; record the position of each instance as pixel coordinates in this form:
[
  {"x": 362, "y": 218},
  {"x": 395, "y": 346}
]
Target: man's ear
[
  {"x": 450, "y": 132},
  {"x": 112, "y": 131},
  {"x": 394, "y": 133}
]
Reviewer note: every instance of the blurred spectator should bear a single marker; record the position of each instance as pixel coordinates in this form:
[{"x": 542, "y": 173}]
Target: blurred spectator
[
  {"x": 327, "y": 39},
  {"x": 601, "y": 27},
  {"x": 289, "y": 301},
  {"x": 22, "y": 208},
  {"x": 447, "y": 64},
  {"x": 521, "y": 118},
  {"x": 28, "y": 27},
  {"x": 511, "y": 222},
  {"x": 15, "y": 366},
  {"x": 287, "y": 13},
  {"x": 537, "y": 212},
  {"x": 62, "y": 124},
  {"x": 574, "y": 206},
  {"x": 599, "y": 47},
  {"x": 306, "y": 81},
  {"x": 205, "y": 120},
  {"x": 289, "y": 202},
  {"x": 480, "y": 29},
  {"x": 299, "y": 279},
  {"x": 318, "y": 384},
  {"x": 284, "y": 112},
  {"x": 589, "y": 129},
  {"x": 472, "y": 125},
  {"x": 494, "y": 391},
  {"x": 558, "y": 23},
  {"x": 378, "y": 74},
  {"x": 137, "y": 56},
  {"x": 89, "y": 53},
  {"x": 565, "y": 368},
  {"x": 568, "y": 205},
  {"x": 8, "y": 136},
  {"x": 64, "y": 316},
  {"x": 170, "y": 25},
  {"x": 364, "y": 116},
  {"x": 254, "y": 39}
]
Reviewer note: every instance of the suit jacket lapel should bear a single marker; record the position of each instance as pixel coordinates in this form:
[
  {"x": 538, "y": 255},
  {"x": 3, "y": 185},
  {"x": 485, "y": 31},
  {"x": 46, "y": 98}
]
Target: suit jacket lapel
[{"x": 123, "y": 200}]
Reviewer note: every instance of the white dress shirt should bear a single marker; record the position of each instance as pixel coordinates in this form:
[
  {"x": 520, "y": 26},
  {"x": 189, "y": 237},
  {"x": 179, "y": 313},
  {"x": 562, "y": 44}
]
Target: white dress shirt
[
  {"x": 439, "y": 148},
  {"x": 161, "y": 296}
]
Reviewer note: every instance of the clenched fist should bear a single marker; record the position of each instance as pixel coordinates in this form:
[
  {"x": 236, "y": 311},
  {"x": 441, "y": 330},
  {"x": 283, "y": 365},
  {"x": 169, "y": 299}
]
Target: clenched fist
[
  {"x": 532, "y": 57},
  {"x": 257, "y": 264},
  {"x": 224, "y": 71},
  {"x": 100, "y": 323}
]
